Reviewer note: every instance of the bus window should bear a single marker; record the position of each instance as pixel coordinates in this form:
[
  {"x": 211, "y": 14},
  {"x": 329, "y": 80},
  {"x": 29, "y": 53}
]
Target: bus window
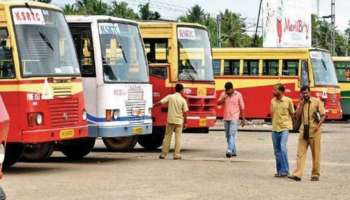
[
  {"x": 6, "y": 62},
  {"x": 217, "y": 67},
  {"x": 304, "y": 74},
  {"x": 160, "y": 72},
  {"x": 270, "y": 67},
  {"x": 231, "y": 67},
  {"x": 343, "y": 71},
  {"x": 156, "y": 50},
  {"x": 251, "y": 67},
  {"x": 290, "y": 67},
  {"x": 83, "y": 43}
]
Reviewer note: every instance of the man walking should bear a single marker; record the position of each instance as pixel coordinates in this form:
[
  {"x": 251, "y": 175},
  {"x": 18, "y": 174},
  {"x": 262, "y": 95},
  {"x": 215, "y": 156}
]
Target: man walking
[
  {"x": 312, "y": 114},
  {"x": 176, "y": 120},
  {"x": 282, "y": 111},
  {"x": 233, "y": 106}
]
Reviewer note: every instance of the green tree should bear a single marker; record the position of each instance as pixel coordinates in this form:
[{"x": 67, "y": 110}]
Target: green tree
[
  {"x": 145, "y": 13},
  {"x": 92, "y": 7},
  {"x": 121, "y": 9},
  {"x": 69, "y": 9},
  {"x": 234, "y": 30},
  {"x": 196, "y": 14}
]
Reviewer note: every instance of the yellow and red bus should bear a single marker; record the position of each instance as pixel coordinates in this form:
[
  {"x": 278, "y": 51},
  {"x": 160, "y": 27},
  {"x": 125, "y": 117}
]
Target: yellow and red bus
[
  {"x": 179, "y": 53},
  {"x": 255, "y": 71},
  {"x": 40, "y": 83},
  {"x": 342, "y": 67}
]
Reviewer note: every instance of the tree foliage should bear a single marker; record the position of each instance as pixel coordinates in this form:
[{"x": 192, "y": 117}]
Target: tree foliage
[{"x": 233, "y": 27}]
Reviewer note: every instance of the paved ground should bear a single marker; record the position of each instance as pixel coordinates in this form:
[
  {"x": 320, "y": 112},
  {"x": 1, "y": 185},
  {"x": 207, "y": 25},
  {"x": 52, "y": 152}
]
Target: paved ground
[{"x": 204, "y": 173}]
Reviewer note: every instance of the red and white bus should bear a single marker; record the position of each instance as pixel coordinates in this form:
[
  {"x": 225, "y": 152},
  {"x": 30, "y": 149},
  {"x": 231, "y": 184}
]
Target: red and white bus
[{"x": 40, "y": 83}]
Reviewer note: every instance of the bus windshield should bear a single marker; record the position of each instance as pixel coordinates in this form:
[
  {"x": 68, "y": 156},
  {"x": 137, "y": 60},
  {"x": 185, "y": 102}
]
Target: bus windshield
[
  {"x": 323, "y": 68},
  {"x": 123, "y": 54},
  {"x": 195, "y": 59},
  {"x": 343, "y": 70},
  {"x": 44, "y": 43}
]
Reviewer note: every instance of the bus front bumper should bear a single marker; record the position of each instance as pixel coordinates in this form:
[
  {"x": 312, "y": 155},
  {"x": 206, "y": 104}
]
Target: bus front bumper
[
  {"x": 114, "y": 129},
  {"x": 200, "y": 122},
  {"x": 54, "y": 134}
]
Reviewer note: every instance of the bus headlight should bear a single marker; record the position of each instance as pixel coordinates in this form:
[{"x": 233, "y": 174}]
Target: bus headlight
[
  {"x": 38, "y": 118},
  {"x": 116, "y": 114},
  {"x": 2, "y": 153},
  {"x": 136, "y": 112},
  {"x": 84, "y": 115}
]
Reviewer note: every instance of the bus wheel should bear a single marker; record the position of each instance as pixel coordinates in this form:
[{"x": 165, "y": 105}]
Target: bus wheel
[
  {"x": 37, "y": 152},
  {"x": 154, "y": 140},
  {"x": 78, "y": 148},
  {"x": 13, "y": 153},
  {"x": 120, "y": 143}
]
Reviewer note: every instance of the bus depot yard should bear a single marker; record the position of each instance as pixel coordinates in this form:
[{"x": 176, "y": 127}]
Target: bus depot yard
[{"x": 204, "y": 172}]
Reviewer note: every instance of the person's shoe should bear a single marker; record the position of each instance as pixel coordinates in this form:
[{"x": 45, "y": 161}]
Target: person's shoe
[
  {"x": 161, "y": 157},
  {"x": 281, "y": 175},
  {"x": 234, "y": 154},
  {"x": 294, "y": 178},
  {"x": 315, "y": 178},
  {"x": 228, "y": 155},
  {"x": 177, "y": 158}
]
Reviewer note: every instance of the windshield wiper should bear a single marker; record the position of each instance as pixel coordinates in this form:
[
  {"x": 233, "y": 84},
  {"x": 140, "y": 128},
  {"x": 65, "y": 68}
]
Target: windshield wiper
[
  {"x": 47, "y": 42},
  {"x": 30, "y": 8},
  {"x": 123, "y": 52},
  {"x": 324, "y": 64}
]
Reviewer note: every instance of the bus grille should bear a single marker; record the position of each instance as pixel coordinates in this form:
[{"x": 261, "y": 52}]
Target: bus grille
[
  {"x": 135, "y": 93},
  {"x": 202, "y": 105},
  {"x": 138, "y": 105},
  {"x": 64, "y": 112},
  {"x": 62, "y": 91}
]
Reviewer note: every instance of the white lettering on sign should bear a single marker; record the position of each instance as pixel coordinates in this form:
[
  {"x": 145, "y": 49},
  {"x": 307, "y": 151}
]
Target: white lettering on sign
[
  {"x": 28, "y": 16},
  {"x": 109, "y": 28},
  {"x": 186, "y": 33}
]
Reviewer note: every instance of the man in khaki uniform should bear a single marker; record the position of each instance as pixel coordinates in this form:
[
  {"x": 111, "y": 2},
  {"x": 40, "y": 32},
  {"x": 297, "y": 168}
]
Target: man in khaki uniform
[
  {"x": 312, "y": 114},
  {"x": 176, "y": 120}
]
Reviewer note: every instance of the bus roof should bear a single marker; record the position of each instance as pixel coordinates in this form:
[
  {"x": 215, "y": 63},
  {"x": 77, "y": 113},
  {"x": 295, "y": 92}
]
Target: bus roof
[
  {"x": 95, "y": 18},
  {"x": 168, "y": 24},
  {"x": 341, "y": 58},
  {"x": 272, "y": 50},
  {"x": 10, "y": 3}
]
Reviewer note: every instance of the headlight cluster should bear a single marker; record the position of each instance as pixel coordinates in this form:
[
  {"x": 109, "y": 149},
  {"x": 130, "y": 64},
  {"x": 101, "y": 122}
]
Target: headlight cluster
[{"x": 112, "y": 114}]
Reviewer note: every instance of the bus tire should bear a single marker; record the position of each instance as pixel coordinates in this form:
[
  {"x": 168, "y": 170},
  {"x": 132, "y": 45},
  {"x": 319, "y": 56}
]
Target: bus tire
[
  {"x": 37, "y": 152},
  {"x": 78, "y": 148},
  {"x": 120, "y": 143},
  {"x": 13, "y": 153},
  {"x": 154, "y": 140},
  {"x": 2, "y": 194}
]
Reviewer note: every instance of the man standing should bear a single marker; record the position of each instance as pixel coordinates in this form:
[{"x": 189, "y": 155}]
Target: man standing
[
  {"x": 282, "y": 111},
  {"x": 312, "y": 114},
  {"x": 176, "y": 120},
  {"x": 233, "y": 106}
]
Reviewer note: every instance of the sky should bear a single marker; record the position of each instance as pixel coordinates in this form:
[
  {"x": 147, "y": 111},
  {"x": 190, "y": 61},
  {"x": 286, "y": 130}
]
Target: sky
[{"x": 171, "y": 9}]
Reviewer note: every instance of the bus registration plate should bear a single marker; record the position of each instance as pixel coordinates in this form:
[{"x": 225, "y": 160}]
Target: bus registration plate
[
  {"x": 202, "y": 122},
  {"x": 137, "y": 130},
  {"x": 64, "y": 134}
]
